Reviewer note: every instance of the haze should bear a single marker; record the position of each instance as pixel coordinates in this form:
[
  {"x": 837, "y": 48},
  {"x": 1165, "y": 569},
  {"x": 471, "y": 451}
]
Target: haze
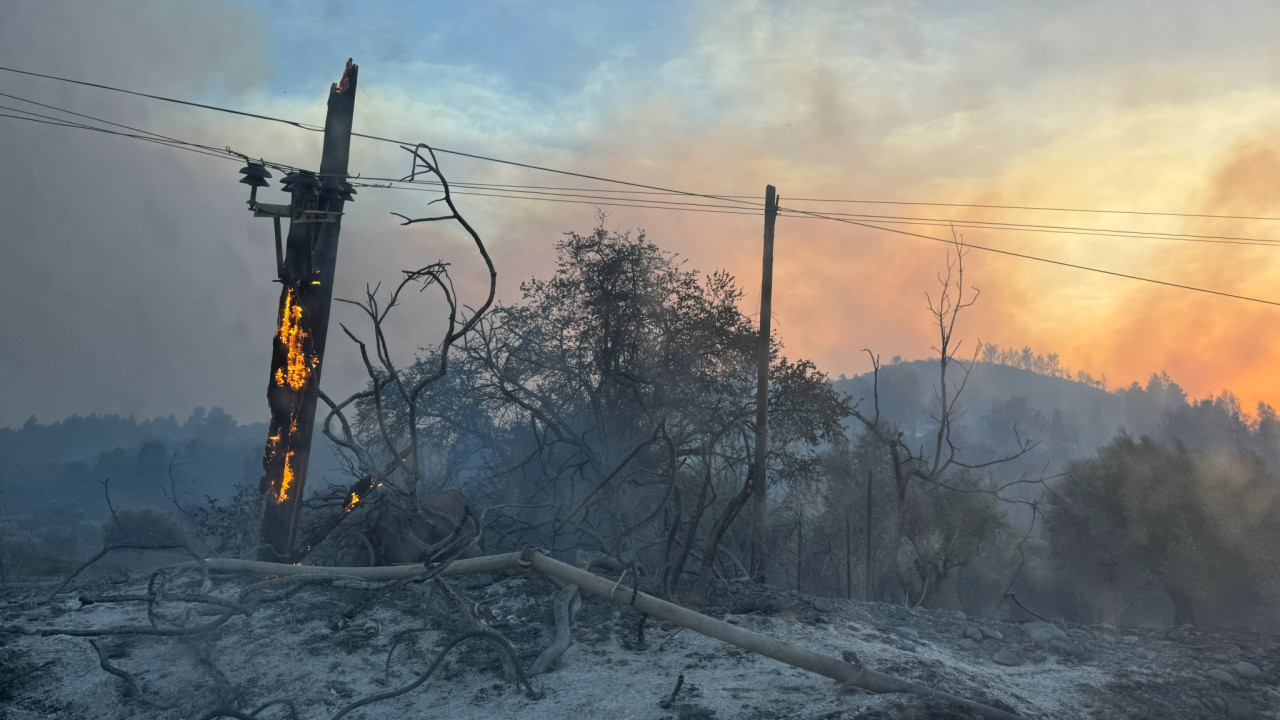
[{"x": 134, "y": 281}]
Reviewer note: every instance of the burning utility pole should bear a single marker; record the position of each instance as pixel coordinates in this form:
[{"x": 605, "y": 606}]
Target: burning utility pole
[{"x": 306, "y": 266}]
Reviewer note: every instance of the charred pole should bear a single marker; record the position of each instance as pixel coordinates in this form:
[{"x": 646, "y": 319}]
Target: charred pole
[{"x": 306, "y": 293}]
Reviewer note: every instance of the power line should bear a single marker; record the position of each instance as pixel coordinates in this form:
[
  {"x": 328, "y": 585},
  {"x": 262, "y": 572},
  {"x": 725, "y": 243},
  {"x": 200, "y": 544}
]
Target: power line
[
  {"x": 403, "y": 143},
  {"x": 508, "y": 190},
  {"x": 612, "y": 203},
  {"x": 888, "y": 202},
  {"x": 204, "y": 151},
  {"x": 433, "y": 185},
  {"x": 191, "y": 147},
  {"x": 1062, "y": 230},
  {"x": 679, "y": 192},
  {"x": 81, "y": 115},
  {"x": 163, "y": 98},
  {"x": 1061, "y": 263},
  {"x": 910, "y": 203},
  {"x": 225, "y": 153},
  {"x": 741, "y": 199},
  {"x": 820, "y": 216},
  {"x": 1044, "y": 208}
]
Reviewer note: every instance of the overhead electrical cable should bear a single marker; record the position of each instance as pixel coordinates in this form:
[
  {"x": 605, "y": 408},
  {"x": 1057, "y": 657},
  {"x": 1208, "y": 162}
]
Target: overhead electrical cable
[
  {"x": 1049, "y": 261},
  {"x": 893, "y": 202},
  {"x": 523, "y": 190},
  {"x": 1043, "y": 208},
  {"x": 743, "y": 199},
  {"x": 212, "y": 152},
  {"x": 225, "y": 153},
  {"x": 162, "y": 98},
  {"x": 725, "y": 198},
  {"x": 508, "y": 192},
  {"x": 503, "y": 192},
  {"x": 613, "y": 203},
  {"x": 230, "y": 155},
  {"x": 87, "y": 117},
  {"x": 403, "y": 143}
]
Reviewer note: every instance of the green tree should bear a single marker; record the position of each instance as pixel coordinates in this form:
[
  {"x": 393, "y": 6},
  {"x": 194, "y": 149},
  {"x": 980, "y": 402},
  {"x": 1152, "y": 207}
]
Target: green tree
[{"x": 1198, "y": 526}]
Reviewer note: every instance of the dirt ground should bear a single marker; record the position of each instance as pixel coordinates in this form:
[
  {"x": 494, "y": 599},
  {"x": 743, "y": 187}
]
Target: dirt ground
[{"x": 296, "y": 644}]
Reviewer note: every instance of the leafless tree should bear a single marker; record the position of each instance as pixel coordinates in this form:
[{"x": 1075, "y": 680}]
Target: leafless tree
[
  {"x": 932, "y": 460},
  {"x": 387, "y": 464}
]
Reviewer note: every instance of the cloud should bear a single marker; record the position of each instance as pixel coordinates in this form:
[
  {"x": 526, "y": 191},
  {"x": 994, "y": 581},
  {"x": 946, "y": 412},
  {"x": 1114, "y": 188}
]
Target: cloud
[
  {"x": 145, "y": 286},
  {"x": 1039, "y": 106}
]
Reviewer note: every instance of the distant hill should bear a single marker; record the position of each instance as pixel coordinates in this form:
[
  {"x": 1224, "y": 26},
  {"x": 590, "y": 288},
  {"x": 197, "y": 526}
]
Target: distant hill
[
  {"x": 992, "y": 394},
  {"x": 58, "y": 468},
  {"x": 1069, "y": 419},
  {"x": 81, "y": 437}
]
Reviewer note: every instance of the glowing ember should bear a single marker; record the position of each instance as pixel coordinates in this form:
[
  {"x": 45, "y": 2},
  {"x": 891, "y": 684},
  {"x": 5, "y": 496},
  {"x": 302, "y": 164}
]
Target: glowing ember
[
  {"x": 288, "y": 478},
  {"x": 345, "y": 83},
  {"x": 355, "y": 500},
  {"x": 298, "y": 369}
]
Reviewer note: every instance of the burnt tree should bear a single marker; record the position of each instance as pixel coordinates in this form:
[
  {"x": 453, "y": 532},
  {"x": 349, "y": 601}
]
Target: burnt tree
[{"x": 935, "y": 461}]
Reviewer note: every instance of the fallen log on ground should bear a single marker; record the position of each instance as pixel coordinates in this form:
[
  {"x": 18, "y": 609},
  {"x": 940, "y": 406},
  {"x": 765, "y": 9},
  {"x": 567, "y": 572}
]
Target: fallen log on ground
[{"x": 837, "y": 669}]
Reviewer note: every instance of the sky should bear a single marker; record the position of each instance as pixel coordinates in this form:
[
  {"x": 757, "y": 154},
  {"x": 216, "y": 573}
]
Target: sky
[{"x": 133, "y": 280}]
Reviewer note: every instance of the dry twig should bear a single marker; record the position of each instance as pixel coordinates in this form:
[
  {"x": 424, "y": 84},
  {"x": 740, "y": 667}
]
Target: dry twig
[
  {"x": 131, "y": 683},
  {"x": 499, "y": 642}
]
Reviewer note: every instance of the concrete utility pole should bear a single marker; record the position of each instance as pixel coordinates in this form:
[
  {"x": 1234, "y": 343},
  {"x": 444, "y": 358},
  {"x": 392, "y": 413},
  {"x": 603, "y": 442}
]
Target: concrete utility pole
[
  {"x": 306, "y": 293},
  {"x": 759, "y": 478}
]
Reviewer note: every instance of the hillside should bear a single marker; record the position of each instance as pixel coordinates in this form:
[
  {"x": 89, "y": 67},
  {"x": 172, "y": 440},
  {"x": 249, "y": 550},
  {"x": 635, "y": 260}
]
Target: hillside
[{"x": 1068, "y": 419}]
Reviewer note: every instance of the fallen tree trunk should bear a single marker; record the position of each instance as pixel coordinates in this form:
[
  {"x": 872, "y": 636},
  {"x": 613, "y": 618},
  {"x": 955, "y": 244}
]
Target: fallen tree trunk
[{"x": 625, "y": 596}]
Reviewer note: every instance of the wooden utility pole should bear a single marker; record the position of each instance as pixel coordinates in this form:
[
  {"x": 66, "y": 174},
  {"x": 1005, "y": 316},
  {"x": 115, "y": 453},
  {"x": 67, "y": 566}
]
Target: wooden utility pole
[
  {"x": 866, "y": 582},
  {"x": 306, "y": 294},
  {"x": 759, "y": 478}
]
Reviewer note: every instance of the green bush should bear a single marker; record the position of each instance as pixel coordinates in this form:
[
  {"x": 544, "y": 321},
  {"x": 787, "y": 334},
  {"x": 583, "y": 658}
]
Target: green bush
[
  {"x": 231, "y": 528},
  {"x": 1199, "y": 526}
]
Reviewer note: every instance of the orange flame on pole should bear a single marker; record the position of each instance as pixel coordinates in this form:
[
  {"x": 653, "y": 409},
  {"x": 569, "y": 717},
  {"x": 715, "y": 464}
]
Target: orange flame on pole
[
  {"x": 355, "y": 500},
  {"x": 345, "y": 83},
  {"x": 288, "y": 477},
  {"x": 297, "y": 369}
]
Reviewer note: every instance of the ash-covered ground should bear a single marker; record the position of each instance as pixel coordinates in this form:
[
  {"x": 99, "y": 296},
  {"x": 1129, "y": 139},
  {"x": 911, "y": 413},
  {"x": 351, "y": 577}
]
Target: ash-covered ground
[{"x": 322, "y": 645}]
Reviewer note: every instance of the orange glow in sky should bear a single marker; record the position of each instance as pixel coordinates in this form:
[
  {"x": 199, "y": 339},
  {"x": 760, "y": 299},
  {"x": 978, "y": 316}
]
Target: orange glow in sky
[{"x": 1144, "y": 105}]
